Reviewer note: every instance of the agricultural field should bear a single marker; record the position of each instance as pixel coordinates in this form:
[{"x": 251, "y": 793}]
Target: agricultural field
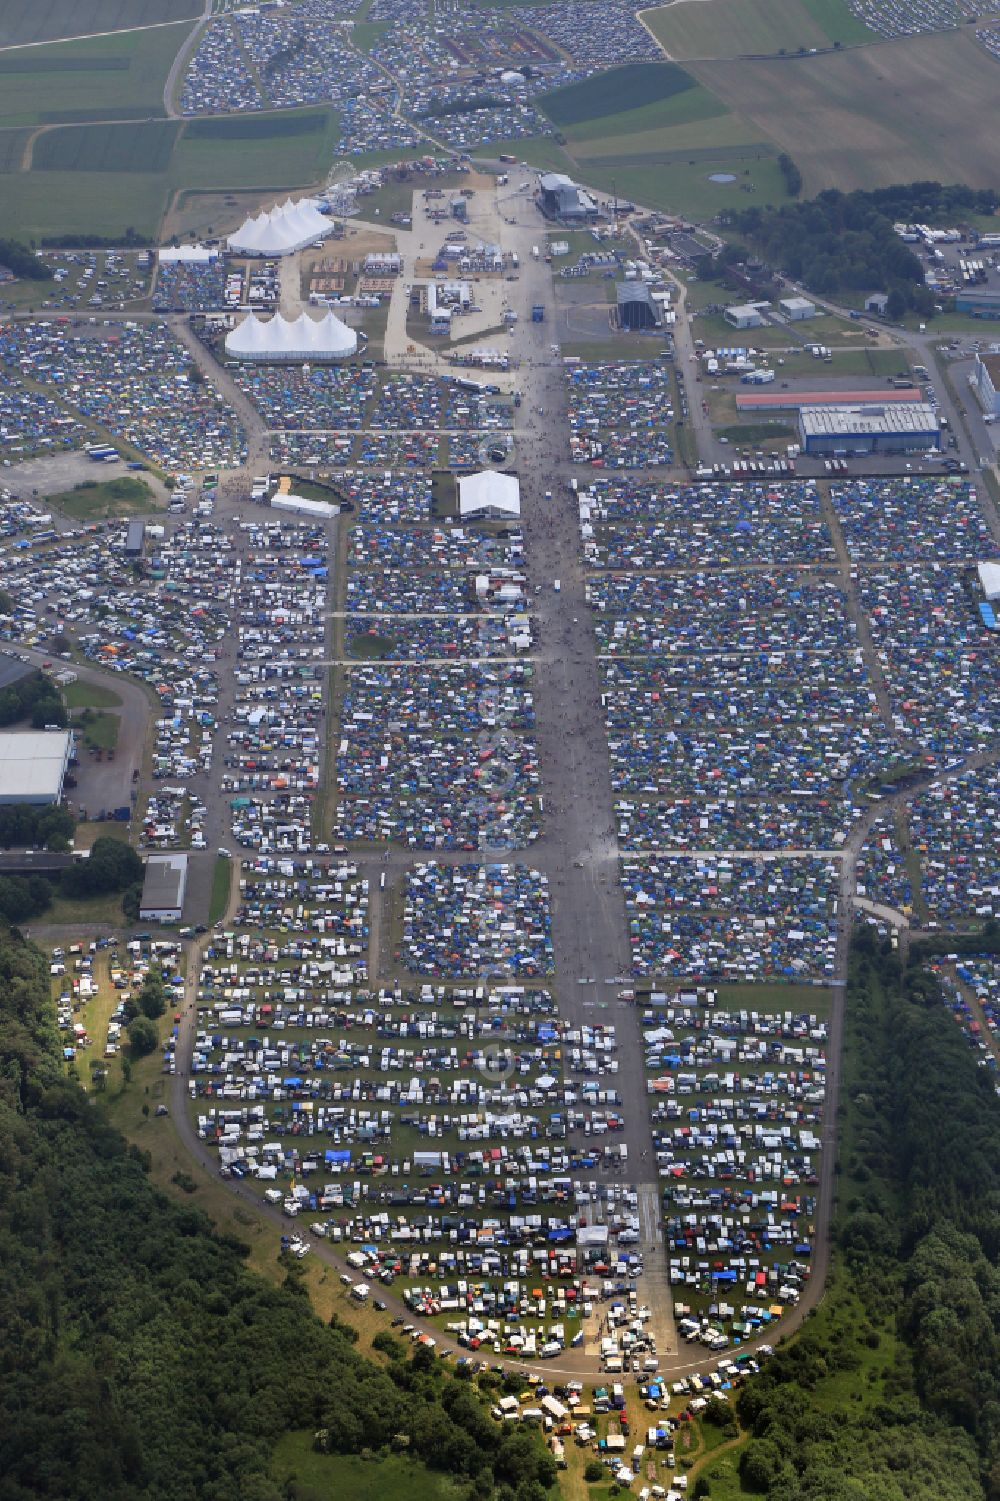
[
  {"x": 106, "y": 148},
  {"x": 688, "y": 108},
  {"x": 873, "y": 116},
  {"x": 36, "y": 205},
  {"x": 262, "y": 127},
  {"x": 665, "y": 148},
  {"x": 103, "y": 179},
  {"x": 12, "y": 144},
  {"x": 113, "y": 77},
  {"x": 737, "y": 28},
  {"x": 27, "y": 21},
  {"x": 266, "y": 150},
  {"x": 608, "y": 93}
]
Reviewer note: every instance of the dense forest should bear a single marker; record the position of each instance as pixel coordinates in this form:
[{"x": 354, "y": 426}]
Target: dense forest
[
  {"x": 140, "y": 1358},
  {"x": 893, "y": 1390},
  {"x": 845, "y": 242}
]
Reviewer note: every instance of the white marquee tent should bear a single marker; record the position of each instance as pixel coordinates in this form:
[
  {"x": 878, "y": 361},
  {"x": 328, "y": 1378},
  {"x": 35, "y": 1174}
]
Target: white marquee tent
[
  {"x": 288, "y": 227},
  {"x": 301, "y": 338},
  {"x": 489, "y": 493}
]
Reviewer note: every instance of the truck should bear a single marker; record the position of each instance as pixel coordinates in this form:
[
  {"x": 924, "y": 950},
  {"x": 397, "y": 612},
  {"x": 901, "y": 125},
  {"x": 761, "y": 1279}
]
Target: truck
[
  {"x": 537, "y": 313},
  {"x": 535, "y": 253}
]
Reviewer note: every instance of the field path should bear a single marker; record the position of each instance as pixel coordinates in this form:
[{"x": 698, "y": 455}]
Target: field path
[
  {"x": 640, "y": 16},
  {"x": 28, "y": 155},
  {"x": 89, "y": 36}
]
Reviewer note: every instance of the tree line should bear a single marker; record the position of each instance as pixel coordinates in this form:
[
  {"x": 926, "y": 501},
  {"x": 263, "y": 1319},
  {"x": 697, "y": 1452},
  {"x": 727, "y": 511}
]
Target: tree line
[
  {"x": 141, "y": 1358},
  {"x": 893, "y": 1389},
  {"x": 845, "y": 242},
  {"x": 23, "y": 262},
  {"x": 112, "y": 867},
  {"x": 35, "y": 697}
]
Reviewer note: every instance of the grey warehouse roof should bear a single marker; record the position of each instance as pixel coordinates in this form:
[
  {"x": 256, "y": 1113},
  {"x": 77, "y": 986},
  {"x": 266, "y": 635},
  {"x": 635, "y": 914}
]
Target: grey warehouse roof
[
  {"x": 12, "y": 670},
  {"x": 163, "y": 887},
  {"x": 866, "y": 421}
]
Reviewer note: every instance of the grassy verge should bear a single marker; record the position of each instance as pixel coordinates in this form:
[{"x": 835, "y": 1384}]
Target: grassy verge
[
  {"x": 221, "y": 886},
  {"x": 82, "y": 694},
  {"x": 102, "y": 910},
  {"x": 99, "y": 731}
]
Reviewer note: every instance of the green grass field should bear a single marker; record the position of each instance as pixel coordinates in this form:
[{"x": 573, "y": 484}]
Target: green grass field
[
  {"x": 37, "y": 204},
  {"x": 107, "y": 148},
  {"x": 364, "y": 34},
  {"x": 257, "y": 127},
  {"x": 390, "y": 1479},
  {"x": 608, "y": 93},
  {"x": 689, "y": 107},
  {"x": 92, "y": 501},
  {"x": 735, "y": 28},
  {"x": 12, "y": 144},
  {"x": 111, "y": 77},
  {"x": 23, "y": 21},
  {"x": 280, "y": 151},
  {"x": 100, "y": 732},
  {"x": 222, "y": 876},
  {"x": 83, "y": 694},
  {"x": 684, "y": 187},
  {"x": 537, "y": 151}
]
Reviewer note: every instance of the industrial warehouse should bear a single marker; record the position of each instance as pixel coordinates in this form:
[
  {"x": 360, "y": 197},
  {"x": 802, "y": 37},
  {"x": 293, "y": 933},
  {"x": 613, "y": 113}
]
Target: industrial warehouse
[
  {"x": 163, "y": 888},
  {"x": 33, "y": 765},
  {"x": 871, "y": 429}
]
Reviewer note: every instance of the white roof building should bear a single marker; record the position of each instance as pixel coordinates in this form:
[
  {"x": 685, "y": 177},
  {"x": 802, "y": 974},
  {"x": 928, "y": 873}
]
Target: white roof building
[
  {"x": 189, "y": 254},
  {"x": 989, "y": 580},
  {"x": 163, "y": 888},
  {"x": 287, "y": 228},
  {"x": 33, "y": 764},
  {"x": 322, "y": 510},
  {"x": 301, "y": 338},
  {"x": 489, "y": 494}
]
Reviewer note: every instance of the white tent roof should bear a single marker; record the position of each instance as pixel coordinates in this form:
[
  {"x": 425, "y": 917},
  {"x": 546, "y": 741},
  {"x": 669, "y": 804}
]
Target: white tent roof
[
  {"x": 989, "y": 578},
  {"x": 301, "y": 338},
  {"x": 489, "y": 491},
  {"x": 194, "y": 253},
  {"x": 289, "y": 226}
]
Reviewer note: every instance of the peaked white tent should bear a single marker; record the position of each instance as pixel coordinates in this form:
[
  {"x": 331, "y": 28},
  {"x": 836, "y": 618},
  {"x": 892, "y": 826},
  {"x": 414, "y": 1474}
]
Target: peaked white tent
[
  {"x": 301, "y": 338},
  {"x": 489, "y": 494},
  {"x": 288, "y": 227}
]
